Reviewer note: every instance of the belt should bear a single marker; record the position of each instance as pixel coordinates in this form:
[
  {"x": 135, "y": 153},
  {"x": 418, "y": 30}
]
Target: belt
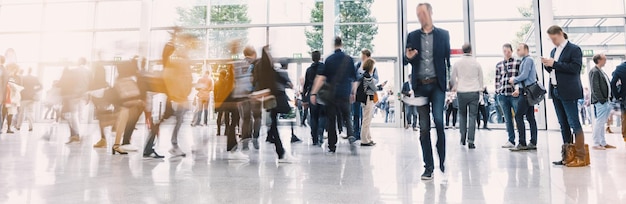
[{"x": 428, "y": 80}]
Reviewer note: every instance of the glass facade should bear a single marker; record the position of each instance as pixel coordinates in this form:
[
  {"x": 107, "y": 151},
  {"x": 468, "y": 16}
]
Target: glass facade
[{"x": 47, "y": 33}]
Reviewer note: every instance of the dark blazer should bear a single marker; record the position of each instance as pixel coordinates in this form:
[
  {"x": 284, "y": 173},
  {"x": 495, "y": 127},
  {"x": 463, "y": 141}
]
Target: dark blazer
[
  {"x": 567, "y": 71},
  {"x": 618, "y": 75},
  {"x": 441, "y": 56},
  {"x": 599, "y": 86},
  {"x": 406, "y": 88}
]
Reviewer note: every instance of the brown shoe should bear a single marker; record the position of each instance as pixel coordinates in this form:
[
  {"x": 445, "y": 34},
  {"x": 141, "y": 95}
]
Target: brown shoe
[
  {"x": 577, "y": 163},
  {"x": 608, "y": 130},
  {"x": 608, "y": 146}
]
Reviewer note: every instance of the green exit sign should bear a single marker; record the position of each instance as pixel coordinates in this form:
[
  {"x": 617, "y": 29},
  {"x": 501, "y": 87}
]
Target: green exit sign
[
  {"x": 297, "y": 55},
  {"x": 117, "y": 59},
  {"x": 588, "y": 53}
]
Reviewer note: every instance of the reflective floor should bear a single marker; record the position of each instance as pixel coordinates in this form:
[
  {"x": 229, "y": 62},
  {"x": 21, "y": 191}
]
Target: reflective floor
[{"x": 33, "y": 170}]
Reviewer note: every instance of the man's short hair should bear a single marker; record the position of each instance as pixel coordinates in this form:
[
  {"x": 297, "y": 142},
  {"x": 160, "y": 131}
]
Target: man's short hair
[
  {"x": 316, "y": 56},
  {"x": 508, "y": 45},
  {"x": 249, "y": 51},
  {"x": 366, "y": 52},
  {"x": 555, "y": 29},
  {"x": 524, "y": 45},
  {"x": 467, "y": 48},
  {"x": 596, "y": 58},
  {"x": 428, "y": 6},
  {"x": 368, "y": 65},
  {"x": 338, "y": 41}
]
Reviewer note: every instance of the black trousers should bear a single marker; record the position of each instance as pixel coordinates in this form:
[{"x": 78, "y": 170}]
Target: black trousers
[
  {"x": 232, "y": 120},
  {"x": 340, "y": 107},
  {"x": 482, "y": 112},
  {"x": 280, "y": 151},
  {"x": 454, "y": 113},
  {"x": 315, "y": 122}
]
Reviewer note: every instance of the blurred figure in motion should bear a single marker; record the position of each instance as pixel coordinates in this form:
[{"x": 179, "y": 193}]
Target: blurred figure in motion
[
  {"x": 178, "y": 79},
  {"x": 13, "y": 97},
  {"x": 276, "y": 82},
  {"x": 4, "y": 78},
  {"x": 30, "y": 95},
  {"x": 222, "y": 87},
  {"x": 53, "y": 102},
  {"x": 256, "y": 107},
  {"x": 74, "y": 84},
  {"x": 204, "y": 86}
]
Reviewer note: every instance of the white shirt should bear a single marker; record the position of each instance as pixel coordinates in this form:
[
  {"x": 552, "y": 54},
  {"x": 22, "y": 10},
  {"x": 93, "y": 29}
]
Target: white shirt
[
  {"x": 467, "y": 75},
  {"x": 557, "y": 55}
]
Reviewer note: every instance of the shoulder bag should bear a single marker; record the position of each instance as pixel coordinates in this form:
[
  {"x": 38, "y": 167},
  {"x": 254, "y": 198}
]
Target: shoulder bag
[
  {"x": 534, "y": 93},
  {"x": 326, "y": 94}
]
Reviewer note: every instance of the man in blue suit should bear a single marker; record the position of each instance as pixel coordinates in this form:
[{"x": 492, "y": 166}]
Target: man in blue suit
[
  {"x": 428, "y": 52},
  {"x": 564, "y": 66}
]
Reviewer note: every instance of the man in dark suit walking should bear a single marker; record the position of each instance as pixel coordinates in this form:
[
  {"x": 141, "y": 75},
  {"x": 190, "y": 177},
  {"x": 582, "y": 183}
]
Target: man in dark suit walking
[
  {"x": 428, "y": 52},
  {"x": 564, "y": 66}
]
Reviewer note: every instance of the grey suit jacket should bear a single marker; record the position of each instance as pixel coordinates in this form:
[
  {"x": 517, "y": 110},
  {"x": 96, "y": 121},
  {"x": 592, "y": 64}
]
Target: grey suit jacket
[{"x": 599, "y": 86}]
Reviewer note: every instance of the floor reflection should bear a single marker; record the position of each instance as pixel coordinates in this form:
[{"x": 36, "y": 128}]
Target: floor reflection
[{"x": 38, "y": 167}]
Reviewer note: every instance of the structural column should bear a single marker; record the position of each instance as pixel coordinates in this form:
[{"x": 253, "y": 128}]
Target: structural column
[
  {"x": 329, "y": 27},
  {"x": 544, "y": 18}
]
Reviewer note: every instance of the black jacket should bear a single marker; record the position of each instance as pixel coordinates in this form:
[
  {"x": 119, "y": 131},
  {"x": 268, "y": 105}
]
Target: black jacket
[
  {"x": 599, "y": 86},
  {"x": 619, "y": 75},
  {"x": 567, "y": 71},
  {"x": 309, "y": 79}
]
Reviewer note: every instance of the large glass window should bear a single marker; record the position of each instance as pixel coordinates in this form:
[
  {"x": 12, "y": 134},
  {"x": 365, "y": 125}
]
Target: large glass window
[
  {"x": 20, "y": 17},
  {"x": 111, "y": 45},
  {"x": 442, "y": 10},
  {"x": 26, "y": 46},
  {"x": 69, "y": 16},
  {"x": 127, "y": 14},
  {"x": 64, "y": 46}
]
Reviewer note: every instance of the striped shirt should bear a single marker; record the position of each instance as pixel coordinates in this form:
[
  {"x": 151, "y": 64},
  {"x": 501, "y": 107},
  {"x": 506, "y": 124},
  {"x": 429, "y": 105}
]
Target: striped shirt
[{"x": 505, "y": 70}]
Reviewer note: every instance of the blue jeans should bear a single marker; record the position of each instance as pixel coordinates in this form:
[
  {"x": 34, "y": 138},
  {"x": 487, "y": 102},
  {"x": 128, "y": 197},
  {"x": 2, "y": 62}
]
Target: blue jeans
[
  {"x": 567, "y": 114},
  {"x": 601, "y": 112},
  {"x": 506, "y": 103},
  {"x": 357, "y": 115},
  {"x": 410, "y": 113},
  {"x": 436, "y": 99},
  {"x": 524, "y": 109}
]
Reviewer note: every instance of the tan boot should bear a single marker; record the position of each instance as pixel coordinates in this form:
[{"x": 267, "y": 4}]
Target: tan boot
[
  {"x": 587, "y": 158},
  {"x": 100, "y": 144},
  {"x": 580, "y": 151}
]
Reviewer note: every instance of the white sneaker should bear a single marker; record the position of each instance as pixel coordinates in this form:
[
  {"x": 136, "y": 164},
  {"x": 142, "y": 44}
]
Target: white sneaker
[
  {"x": 598, "y": 147},
  {"x": 176, "y": 152},
  {"x": 508, "y": 145},
  {"x": 287, "y": 158},
  {"x": 236, "y": 155},
  {"x": 128, "y": 148}
]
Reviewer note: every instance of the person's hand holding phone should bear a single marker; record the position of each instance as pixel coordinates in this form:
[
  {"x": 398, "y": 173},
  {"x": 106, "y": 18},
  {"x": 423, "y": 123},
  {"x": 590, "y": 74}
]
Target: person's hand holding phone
[
  {"x": 411, "y": 52},
  {"x": 546, "y": 61}
]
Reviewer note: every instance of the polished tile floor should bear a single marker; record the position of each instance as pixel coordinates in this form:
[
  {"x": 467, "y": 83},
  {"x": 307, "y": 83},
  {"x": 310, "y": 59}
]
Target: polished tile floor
[{"x": 33, "y": 170}]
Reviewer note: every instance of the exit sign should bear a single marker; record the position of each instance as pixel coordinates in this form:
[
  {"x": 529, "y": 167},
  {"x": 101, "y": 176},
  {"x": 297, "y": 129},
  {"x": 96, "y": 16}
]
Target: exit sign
[
  {"x": 297, "y": 55},
  {"x": 588, "y": 53}
]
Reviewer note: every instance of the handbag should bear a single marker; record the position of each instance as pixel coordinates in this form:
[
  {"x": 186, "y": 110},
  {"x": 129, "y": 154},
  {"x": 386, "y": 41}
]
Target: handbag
[
  {"x": 534, "y": 93},
  {"x": 127, "y": 88}
]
